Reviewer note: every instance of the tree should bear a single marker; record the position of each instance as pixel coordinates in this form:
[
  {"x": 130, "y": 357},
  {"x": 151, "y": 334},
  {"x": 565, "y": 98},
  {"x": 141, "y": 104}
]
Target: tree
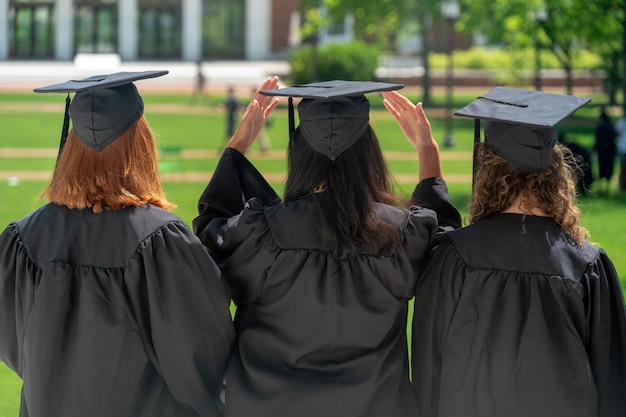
[
  {"x": 604, "y": 33},
  {"x": 375, "y": 21},
  {"x": 379, "y": 22},
  {"x": 512, "y": 23}
]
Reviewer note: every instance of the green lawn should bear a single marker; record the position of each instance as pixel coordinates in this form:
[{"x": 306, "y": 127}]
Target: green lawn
[{"x": 202, "y": 129}]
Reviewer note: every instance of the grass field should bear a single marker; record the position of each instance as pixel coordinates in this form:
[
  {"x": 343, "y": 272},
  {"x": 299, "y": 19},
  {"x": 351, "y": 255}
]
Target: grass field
[{"x": 190, "y": 138}]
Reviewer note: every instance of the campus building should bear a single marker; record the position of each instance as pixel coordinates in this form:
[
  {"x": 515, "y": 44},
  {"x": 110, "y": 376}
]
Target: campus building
[{"x": 136, "y": 30}]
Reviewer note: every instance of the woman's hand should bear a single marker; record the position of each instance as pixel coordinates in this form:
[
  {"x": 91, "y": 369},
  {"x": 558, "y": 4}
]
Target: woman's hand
[
  {"x": 411, "y": 118},
  {"x": 254, "y": 117},
  {"x": 416, "y": 127}
]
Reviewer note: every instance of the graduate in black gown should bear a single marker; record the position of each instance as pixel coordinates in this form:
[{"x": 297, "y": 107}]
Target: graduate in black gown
[
  {"x": 109, "y": 304},
  {"x": 518, "y": 314},
  {"x": 605, "y": 147},
  {"x": 322, "y": 278}
]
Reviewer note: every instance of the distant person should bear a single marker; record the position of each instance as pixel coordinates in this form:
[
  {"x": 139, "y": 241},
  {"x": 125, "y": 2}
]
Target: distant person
[
  {"x": 581, "y": 163},
  {"x": 605, "y": 148},
  {"x": 109, "y": 305},
  {"x": 322, "y": 279},
  {"x": 518, "y": 314},
  {"x": 620, "y": 128},
  {"x": 199, "y": 85},
  {"x": 232, "y": 106}
]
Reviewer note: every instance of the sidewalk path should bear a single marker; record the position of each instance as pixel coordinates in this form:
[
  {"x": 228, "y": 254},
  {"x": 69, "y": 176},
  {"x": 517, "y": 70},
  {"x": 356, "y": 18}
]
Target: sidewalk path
[
  {"x": 26, "y": 75},
  {"x": 183, "y": 176}
]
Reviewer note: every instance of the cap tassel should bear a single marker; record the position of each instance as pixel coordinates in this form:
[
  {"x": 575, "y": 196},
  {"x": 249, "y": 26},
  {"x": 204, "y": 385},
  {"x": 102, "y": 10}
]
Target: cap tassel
[
  {"x": 66, "y": 123},
  {"x": 475, "y": 152},
  {"x": 292, "y": 122},
  {"x": 66, "y": 126}
]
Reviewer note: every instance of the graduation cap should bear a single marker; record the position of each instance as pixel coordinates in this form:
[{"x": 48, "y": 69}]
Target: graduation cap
[
  {"x": 104, "y": 106},
  {"x": 333, "y": 114},
  {"x": 520, "y": 123}
]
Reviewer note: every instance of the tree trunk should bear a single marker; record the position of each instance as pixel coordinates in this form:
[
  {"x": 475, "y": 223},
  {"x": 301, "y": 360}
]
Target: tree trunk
[
  {"x": 569, "y": 79},
  {"x": 624, "y": 60},
  {"x": 425, "y": 23}
]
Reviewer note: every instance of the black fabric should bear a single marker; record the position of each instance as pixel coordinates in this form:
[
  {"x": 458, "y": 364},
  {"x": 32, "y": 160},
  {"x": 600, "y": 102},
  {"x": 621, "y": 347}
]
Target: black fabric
[
  {"x": 513, "y": 319},
  {"x": 520, "y": 123},
  {"x": 121, "y": 313},
  {"x": 331, "y": 126},
  {"x": 527, "y": 147},
  {"x": 335, "y": 88},
  {"x": 333, "y": 114},
  {"x": 527, "y": 107},
  {"x": 316, "y": 336},
  {"x": 99, "y": 116},
  {"x": 100, "y": 81}
]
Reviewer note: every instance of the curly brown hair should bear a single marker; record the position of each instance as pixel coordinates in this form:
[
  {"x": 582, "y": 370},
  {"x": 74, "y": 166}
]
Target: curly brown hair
[
  {"x": 124, "y": 174},
  {"x": 498, "y": 183}
]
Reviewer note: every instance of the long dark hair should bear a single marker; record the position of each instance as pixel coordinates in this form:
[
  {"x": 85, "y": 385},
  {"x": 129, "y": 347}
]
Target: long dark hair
[{"x": 348, "y": 189}]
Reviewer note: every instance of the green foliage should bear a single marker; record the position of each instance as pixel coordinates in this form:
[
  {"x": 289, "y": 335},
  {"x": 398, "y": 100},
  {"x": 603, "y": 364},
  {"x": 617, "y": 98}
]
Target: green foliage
[
  {"x": 354, "y": 61},
  {"x": 511, "y": 59},
  {"x": 566, "y": 29},
  {"x": 375, "y": 22}
]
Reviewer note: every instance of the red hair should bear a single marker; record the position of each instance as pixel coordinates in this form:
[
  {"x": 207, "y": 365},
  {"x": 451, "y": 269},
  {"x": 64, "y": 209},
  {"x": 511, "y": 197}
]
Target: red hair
[{"x": 123, "y": 174}]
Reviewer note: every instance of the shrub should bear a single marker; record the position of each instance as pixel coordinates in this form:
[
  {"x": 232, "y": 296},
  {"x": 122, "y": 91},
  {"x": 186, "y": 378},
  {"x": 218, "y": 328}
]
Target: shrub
[
  {"x": 510, "y": 59},
  {"x": 354, "y": 61}
]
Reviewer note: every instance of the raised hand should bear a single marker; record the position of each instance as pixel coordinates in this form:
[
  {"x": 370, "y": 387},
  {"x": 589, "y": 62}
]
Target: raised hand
[
  {"x": 254, "y": 117},
  {"x": 411, "y": 118},
  {"x": 416, "y": 127}
]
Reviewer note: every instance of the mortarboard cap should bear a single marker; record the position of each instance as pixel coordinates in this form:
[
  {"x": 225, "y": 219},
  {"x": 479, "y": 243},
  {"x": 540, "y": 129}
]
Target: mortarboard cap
[
  {"x": 333, "y": 114},
  {"x": 520, "y": 123},
  {"x": 104, "y": 106}
]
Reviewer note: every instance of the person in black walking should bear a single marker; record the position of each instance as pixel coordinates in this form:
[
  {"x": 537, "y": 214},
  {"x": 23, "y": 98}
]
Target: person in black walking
[
  {"x": 232, "y": 106},
  {"x": 605, "y": 148}
]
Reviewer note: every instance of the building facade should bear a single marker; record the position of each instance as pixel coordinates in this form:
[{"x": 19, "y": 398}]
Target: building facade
[{"x": 136, "y": 30}]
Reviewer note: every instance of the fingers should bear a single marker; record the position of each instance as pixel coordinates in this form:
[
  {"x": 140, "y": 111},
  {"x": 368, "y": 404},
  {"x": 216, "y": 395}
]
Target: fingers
[
  {"x": 271, "y": 106},
  {"x": 396, "y": 102},
  {"x": 271, "y": 83}
]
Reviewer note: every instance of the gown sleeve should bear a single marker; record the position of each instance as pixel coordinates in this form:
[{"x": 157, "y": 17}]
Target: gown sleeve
[
  {"x": 182, "y": 310},
  {"x": 11, "y": 259},
  {"x": 234, "y": 182},
  {"x": 432, "y": 316},
  {"x": 432, "y": 193},
  {"x": 607, "y": 337}
]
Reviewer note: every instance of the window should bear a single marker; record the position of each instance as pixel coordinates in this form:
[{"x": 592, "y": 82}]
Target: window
[
  {"x": 223, "y": 29},
  {"x": 31, "y": 29},
  {"x": 160, "y": 29},
  {"x": 95, "y": 26}
]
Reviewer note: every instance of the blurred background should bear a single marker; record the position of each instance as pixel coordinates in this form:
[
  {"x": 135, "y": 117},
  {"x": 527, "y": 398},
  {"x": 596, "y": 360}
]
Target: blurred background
[{"x": 569, "y": 45}]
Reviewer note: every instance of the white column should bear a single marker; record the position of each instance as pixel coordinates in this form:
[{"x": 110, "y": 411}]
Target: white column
[
  {"x": 258, "y": 29},
  {"x": 192, "y": 30},
  {"x": 4, "y": 30},
  {"x": 63, "y": 41},
  {"x": 128, "y": 33}
]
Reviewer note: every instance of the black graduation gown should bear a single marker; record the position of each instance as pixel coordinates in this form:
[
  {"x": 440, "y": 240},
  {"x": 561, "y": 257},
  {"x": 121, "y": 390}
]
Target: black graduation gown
[
  {"x": 512, "y": 319},
  {"x": 316, "y": 336},
  {"x": 121, "y": 313}
]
